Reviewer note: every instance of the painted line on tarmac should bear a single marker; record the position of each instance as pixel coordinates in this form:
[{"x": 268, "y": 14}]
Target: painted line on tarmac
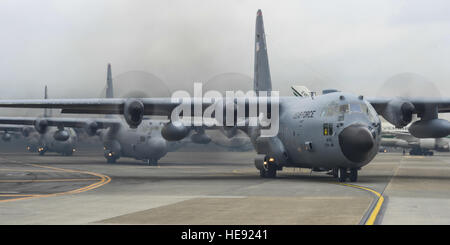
[
  {"x": 371, "y": 215},
  {"x": 45, "y": 180},
  {"x": 104, "y": 179},
  {"x": 29, "y": 170}
]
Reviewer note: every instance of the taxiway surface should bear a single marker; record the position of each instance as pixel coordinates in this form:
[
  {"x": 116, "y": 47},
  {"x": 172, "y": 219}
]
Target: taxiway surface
[{"x": 216, "y": 188}]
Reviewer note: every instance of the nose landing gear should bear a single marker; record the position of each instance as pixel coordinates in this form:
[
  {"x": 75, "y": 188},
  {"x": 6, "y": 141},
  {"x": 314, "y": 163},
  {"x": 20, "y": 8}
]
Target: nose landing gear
[
  {"x": 267, "y": 166},
  {"x": 111, "y": 157}
]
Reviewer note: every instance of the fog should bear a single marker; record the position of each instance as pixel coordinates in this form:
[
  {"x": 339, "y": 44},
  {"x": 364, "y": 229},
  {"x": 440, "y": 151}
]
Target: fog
[{"x": 354, "y": 46}]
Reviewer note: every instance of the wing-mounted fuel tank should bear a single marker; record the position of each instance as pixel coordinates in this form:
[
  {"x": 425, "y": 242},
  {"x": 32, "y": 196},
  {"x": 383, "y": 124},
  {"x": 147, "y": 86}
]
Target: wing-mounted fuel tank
[
  {"x": 398, "y": 112},
  {"x": 41, "y": 125},
  {"x": 133, "y": 112},
  {"x": 434, "y": 128},
  {"x": 174, "y": 131},
  {"x": 200, "y": 137}
]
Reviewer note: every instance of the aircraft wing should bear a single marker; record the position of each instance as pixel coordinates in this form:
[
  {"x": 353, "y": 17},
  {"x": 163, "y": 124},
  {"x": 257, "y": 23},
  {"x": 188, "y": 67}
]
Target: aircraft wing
[
  {"x": 164, "y": 106},
  {"x": 152, "y": 106},
  {"x": 420, "y": 104},
  {"x": 11, "y": 128},
  {"x": 65, "y": 122},
  {"x": 400, "y": 135}
]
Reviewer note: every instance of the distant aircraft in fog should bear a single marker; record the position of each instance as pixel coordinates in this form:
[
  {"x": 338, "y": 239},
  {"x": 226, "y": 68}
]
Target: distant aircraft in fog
[
  {"x": 46, "y": 135},
  {"x": 401, "y": 138}
]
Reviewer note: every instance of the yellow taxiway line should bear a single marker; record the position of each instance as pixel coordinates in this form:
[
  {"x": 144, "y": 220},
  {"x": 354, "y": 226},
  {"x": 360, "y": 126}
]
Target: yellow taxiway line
[
  {"x": 374, "y": 213},
  {"x": 104, "y": 179},
  {"x": 45, "y": 180}
]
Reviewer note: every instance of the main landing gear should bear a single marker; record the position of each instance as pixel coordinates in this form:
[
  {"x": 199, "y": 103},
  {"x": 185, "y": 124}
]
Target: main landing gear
[
  {"x": 151, "y": 162},
  {"x": 42, "y": 150},
  {"x": 343, "y": 173},
  {"x": 110, "y": 157}
]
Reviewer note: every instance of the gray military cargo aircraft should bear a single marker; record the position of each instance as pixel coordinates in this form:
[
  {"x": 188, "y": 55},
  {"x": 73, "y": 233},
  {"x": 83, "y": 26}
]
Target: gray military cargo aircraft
[
  {"x": 144, "y": 142},
  {"x": 393, "y": 137},
  {"x": 8, "y": 131},
  {"x": 334, "y": 131},
  {"x": 42, "y": 138}
]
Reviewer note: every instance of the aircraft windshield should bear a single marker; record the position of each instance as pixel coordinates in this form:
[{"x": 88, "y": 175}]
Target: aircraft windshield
[{"x": 334, "y": 109}]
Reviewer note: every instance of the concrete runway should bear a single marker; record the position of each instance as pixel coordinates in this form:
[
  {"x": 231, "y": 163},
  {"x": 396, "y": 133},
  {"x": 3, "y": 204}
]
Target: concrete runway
[{"x": 216, "y": 188}]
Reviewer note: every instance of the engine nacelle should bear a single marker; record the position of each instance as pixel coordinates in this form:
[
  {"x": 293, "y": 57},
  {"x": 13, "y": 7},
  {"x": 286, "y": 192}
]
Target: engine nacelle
[
  {"x": 61, "y": 135},
  {"x": 229, "y": 131},
  {"x": 41, "y": 125},
  {"x": 26, "y": 131},
  {"x": 91, "y": 128},
  {"x": 200, "y": 138},
  {"x": 133, "y": 112},
  {"x": 174, "y": 131},
  {"x": 435, "y": 128},
  {"x": 6, "y": 137},
  {"x": 398, "y": 112},
  {"x": 428, "y": 143}
]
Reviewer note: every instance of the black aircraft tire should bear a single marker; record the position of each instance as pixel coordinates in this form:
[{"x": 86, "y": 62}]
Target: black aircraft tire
[
  {"x": 262, "y": 173},
  {"x": 271, "y": 172},
  {"x": 342, "y": 174},
  {"x": 335, "y": 172},
  {"x": 353, "y": 175},
  {"x": 151, "y": 162}
]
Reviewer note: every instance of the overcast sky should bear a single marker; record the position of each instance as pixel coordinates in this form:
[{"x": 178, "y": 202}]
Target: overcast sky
[{"x": 349, "y": 45}]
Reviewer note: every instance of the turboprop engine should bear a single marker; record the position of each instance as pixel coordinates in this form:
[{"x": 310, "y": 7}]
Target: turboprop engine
[
  {"x": 200, "y": 137},
  {"x": 91, "y": 128},
  {"x": 6, "y": 136},
  {"x": 174, "y": 131},
  {"x": 398, "y": 112},
  {"x": 41, "y": 125},
  {"x": 435, "y": 128},
  {"x": 133, "y": 112},
  {"x": 61, "y": 135},
  {"x": 26, "y": 131}
]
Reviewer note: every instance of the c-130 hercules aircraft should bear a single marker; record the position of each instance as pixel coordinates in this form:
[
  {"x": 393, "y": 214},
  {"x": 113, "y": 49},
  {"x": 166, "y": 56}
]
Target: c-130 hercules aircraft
[{"x": 335, "y": 131}]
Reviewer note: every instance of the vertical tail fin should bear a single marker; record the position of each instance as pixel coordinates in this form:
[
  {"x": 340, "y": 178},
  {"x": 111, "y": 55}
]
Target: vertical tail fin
[
  {"x": 262, "y": 80},
  {"x": 109, "y": 84},
  {"x": 47, "y": 112}
]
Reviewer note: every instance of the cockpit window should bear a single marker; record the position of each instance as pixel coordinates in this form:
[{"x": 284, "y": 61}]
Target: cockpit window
[
  {"x": 356, "y": 107},
  {"x": 371, "y": 112},
  {"x": 334, "y": 109},
  {"x": 344, "y": 108}
]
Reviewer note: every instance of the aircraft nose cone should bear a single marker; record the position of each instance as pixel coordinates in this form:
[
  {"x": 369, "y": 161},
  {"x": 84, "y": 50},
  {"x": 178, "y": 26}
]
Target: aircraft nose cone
[
  {"x": 158, "y": 146},
  {"x": 356, "y": 141}
]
